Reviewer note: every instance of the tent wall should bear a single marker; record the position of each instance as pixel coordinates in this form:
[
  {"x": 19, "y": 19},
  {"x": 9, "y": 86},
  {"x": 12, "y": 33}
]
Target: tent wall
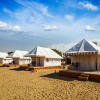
[
  {"x": 86, "y": 62},
  {"x": 41, "y": 61},
  {"x": 74, "y": 59},
  {"x": 52, "y": 62},
  {"x": 98, "y": 62},
  {"x": 7, "y": 61},
  {"x": 21, "y": 61},
  {"x": 24, "y": 61},
  {"x": 1, "y": 60}
]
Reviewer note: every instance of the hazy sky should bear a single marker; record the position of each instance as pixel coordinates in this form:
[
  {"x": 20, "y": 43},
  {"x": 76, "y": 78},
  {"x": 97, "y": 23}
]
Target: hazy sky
[{"x": 51, "y": 23}]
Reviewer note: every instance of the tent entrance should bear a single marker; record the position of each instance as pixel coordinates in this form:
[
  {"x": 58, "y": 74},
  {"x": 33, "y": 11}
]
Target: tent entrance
[{"x": 37, "y": 61}]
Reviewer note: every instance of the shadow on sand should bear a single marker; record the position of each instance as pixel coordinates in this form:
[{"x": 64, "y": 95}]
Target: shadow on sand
[
  {"x": 51, "y": 75},
  {"x": 57, "y": 76},
  {"x": 3, "y": 66},
  {"x": 16, "y": 69}
]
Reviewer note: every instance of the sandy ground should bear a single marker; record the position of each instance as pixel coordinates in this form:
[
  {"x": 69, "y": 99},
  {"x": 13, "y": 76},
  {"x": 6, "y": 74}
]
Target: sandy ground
[{"x": 44, "y": 85}]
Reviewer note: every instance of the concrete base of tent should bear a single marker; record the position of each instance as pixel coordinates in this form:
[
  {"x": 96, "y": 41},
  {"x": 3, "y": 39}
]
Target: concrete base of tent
[
  {"x": 44, "y": 68},
  {"x": 13, "y": 65},
  {"x": 1, "y": 64},
  {"x": 24, "y": 67},
  {"x": 93, "y": 75},
  {"x": 4, "y": 65},
  {"x": 40, "y": 68}
]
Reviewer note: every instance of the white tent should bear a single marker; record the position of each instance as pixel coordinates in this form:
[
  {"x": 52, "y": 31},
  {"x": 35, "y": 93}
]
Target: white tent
[
  {"x": 42, "y": 56},
  {"x": 18, "y": 57},
  {"x": 3, "y": 58},
  {"x": 3, "y": 55},
  {"x": 84, "y": 46},
  {"x": 85, "y": 55}
]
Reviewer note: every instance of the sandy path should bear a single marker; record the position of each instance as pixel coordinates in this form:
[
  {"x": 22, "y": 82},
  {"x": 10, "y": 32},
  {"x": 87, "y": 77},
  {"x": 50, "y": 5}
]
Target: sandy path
[{"x": 44, "y": 85}]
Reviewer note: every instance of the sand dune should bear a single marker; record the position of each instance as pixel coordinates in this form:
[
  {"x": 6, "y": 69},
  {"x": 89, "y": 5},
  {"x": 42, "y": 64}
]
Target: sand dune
[{"x": 44, "y": 85}]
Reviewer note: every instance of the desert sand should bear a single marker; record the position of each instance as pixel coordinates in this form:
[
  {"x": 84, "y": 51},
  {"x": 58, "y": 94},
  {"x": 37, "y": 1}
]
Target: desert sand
[{"x": 44, "y": 85}]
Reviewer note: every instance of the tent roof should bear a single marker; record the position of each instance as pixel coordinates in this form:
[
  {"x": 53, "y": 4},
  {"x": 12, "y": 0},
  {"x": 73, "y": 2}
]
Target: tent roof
[
  {"x": 45, "y": 52},
  {"x": 3, "y": 55},
  {"x": 18, "y": 53},
  {"x": 84, "y": 46}
]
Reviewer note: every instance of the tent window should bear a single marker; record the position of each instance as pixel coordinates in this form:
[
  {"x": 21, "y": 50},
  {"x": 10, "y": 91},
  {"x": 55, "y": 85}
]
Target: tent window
[{"x": 47, "y": 60}]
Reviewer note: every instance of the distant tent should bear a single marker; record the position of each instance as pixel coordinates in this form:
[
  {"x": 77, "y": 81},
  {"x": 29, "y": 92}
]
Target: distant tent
[
  {"x": 3, "y": 58},
  {"x": 18, "y": 57},
  {"x": 3, "y": 55},
  {"x": 85, "y": 55},
  {"x": 42, "y": 56},
  {"x": 18, "y": 53}
]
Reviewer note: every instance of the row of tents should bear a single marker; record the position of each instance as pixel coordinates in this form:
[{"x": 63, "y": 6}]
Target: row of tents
[
  {"x": 39, "y": 56},
  {"x": 85, "y": 55}
]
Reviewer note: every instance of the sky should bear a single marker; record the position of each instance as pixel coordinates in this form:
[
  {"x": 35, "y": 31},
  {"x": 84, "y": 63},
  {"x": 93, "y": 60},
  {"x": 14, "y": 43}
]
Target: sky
[{"x": 58, "y": 24}]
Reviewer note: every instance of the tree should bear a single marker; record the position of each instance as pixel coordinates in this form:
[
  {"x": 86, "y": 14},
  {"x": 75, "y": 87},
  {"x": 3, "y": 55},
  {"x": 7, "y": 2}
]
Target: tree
[
  {"x": 58, "y": 52},
  {"x": 67, "y": 59},
  {"x": 10, "y": 52},
  {"x": 95, "y": 42}
]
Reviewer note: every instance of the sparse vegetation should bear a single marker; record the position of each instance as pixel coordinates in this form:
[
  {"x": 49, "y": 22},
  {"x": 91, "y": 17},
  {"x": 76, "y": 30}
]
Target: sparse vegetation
[
  {"x": 10, "y": 52},
  {"x": 58, "y": 52},
  {"x": 67, "y": 60},
  {"x": 95, "y": 42}
]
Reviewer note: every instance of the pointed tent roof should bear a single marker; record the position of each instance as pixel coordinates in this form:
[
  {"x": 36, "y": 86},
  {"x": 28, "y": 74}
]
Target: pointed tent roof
[
  {"x": 45, "y": 52},
  {"x": 3, "y": 55},
  {"x": 84, "y": 46},
  {"x": 18, "y": 53}
]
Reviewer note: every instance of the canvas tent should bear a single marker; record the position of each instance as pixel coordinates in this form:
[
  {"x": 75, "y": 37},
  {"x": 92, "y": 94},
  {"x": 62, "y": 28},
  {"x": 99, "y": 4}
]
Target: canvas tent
[
  {"x": 3, "y": 58},
  {"x": 85, "y": 56},
  {"x": 18, "y": 57},
  {"x": 42, "y": 56}
]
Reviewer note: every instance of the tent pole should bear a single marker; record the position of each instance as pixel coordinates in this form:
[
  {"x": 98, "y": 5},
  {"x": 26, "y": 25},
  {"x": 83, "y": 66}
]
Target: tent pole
[
  {"x": 96, "y": 63},
  {"x": 36, "y": 61},
  {"x": 79, "y": 63}
]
